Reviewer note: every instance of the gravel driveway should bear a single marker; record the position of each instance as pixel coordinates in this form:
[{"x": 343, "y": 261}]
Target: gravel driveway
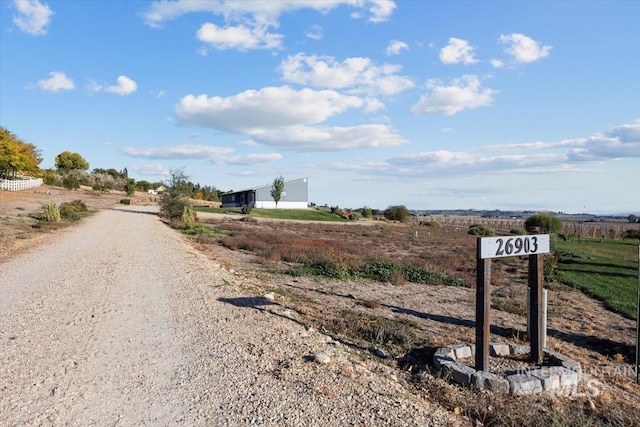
[{"x": 119, "y": 321}]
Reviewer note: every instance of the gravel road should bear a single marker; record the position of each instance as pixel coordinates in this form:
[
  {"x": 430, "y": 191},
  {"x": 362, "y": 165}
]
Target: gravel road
[{"x": 119, "y": 321}]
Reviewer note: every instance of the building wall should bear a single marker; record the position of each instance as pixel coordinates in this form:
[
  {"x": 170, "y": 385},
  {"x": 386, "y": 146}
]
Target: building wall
[
  {"x": 293, "y": 191},
  {"x": 295, "y": 195}
]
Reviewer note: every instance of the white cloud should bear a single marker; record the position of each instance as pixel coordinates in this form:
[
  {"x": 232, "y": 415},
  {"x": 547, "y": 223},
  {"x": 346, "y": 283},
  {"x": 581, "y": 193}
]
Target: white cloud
[
  {"x": 270, "y": 107},
  {"x": 93, "y": 86},
  {"x": 253, "y": 159},
  {"x": 358, "y": 75},
  {"x": 621, "y": 142},
  {"x": 524, "y": 49},
  {"x": 258, "y": 11},
  {"x": 395, "y": 47},
  {"x": 239, "y": 37},
  {"x": 33, "y": 17},
  {"x": 149, "y": 169},
  {"x": 314, "y": 33},
  {"x": 465, "y": 93},
  {"x": 218, "y": 155},
  {"x": 125, "y": 86},
  {"x": 287, "y": 118},
  {"x": 57, "y": 82},
  {"x": 457, "y": 51},
  {"x": 315, "y": 139},
  {"x": 186, "y": 151},
  {"x": 497, "y": 63}
]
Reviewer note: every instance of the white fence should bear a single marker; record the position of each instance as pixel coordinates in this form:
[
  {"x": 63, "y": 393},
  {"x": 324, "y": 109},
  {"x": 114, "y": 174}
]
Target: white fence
[{"x": 19, "y": 184}]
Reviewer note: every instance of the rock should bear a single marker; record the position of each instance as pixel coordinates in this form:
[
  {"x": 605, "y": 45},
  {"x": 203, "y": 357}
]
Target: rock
[
  {"x": 270, "y": 296},
  {"x": 379, "y": 352},
  {"x": 321, "y": 358},
  {"x": 462, "y": 351},
  {"x": 499, "y": 349}
]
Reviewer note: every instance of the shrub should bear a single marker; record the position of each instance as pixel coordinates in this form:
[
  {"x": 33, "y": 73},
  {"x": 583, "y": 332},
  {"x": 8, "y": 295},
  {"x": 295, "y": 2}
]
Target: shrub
[
  {"x": 481, "y": 230},
  {"x": 397, "y": 213},
  {"x": 130, "y": 187},
  {"x": 366, "y": 212},
  {"x": 125, "y": 201},
  {"x": 546, "y": 223},
  {"x": 518, "y": 231},
  {"x": 50, "y": 178},
  {"x": 51, "y": 211},
  {"x": 435, "y": 224},
  {"x": 246, "y": 209},
  {"x": 70, "y": 182},
  {"x": 632, "y": 234},
  {"x": 188, "y": 219},
  {"x": 73, "y": 210}
]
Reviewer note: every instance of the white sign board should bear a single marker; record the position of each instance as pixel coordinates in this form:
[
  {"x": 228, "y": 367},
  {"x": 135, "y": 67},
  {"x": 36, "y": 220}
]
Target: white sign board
[{"x": 498, "y": 247}]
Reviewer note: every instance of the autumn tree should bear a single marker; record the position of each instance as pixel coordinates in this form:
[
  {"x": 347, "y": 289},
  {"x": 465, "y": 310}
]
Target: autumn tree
[
  {"x": 276, "y": 189},
  {"x": 67, "y": 161},
  {"x": 17, "y": 156}
]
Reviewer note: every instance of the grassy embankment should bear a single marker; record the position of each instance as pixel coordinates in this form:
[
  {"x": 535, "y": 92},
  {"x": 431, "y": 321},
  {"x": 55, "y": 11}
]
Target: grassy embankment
[
  {"x": 603, "y": 269},
  {"x": 295, "y": 214}
]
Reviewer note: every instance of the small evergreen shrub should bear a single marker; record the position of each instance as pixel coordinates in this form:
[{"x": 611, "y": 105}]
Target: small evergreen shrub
[
  {"x": 73, "y": 211},
  {"x": 246, "y": 209},
  {"x": 366, "y": 212},
  {"x": 51, "y": 211},
  {"x": 125, "y": 201},
  {"x": 434, "y": 224},
  {"x": 481, "y": 230},
  {"x": 70, "y": 182},
  {"x": 397, "y": 213}
]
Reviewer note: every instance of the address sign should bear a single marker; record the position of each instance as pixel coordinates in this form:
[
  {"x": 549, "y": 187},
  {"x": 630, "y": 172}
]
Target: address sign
[{"x": 498, "y": 247}]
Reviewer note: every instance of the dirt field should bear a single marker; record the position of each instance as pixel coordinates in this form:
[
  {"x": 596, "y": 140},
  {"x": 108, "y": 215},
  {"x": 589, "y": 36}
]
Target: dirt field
[{"x": 579, "y": 327}]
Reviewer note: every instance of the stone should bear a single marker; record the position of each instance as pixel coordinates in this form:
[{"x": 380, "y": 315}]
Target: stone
[
  {"x": 518, "y": 350},
  {"x": 462, "y": 351},
  {"x": 564, "y": 361},
  {"x": 460, "y": 373},
  {"x": 441, "y": 361},
  {"x": 549, "y": 378},
  {"x": 321, "y": 358},
  {"x": 487, "y": 380},
  {"x": 568, "y": 377},
  {"x": 524, "y": 384},
  {"x": 270, "y": 296},
  {"x": 445, "y": 352},
  {"x": 379, "y": 352},
  {"x": 497, "y": 350}
]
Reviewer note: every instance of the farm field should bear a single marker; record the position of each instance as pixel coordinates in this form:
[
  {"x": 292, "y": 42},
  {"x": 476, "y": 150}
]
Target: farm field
[{"x": 407, "y": 289}]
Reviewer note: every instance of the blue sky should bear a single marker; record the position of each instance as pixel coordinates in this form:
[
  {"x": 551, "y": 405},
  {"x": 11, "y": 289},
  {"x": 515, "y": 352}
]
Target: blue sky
[{"x": 430, "y": 104}]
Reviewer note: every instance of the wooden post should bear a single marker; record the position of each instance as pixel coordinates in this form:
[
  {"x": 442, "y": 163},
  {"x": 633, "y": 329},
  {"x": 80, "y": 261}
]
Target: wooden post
[
  {"x": 536, "y": 311},
  {"x": 638, "y": 326},
  {"x": 483, "y": 311}
]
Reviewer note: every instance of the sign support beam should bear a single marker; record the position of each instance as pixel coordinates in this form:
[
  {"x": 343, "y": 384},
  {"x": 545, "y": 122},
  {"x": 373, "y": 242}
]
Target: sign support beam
[
  {"x": 483, "y": 311},
  {"x": 536, "y": 310}
]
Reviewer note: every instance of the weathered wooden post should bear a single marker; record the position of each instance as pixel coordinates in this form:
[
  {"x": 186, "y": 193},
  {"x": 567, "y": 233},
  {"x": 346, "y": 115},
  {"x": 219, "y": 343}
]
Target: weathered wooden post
[
  {"x": 638, "y": 326},
  {"x": 536, "y": 310},
  {"x": 483, "y": 310}
]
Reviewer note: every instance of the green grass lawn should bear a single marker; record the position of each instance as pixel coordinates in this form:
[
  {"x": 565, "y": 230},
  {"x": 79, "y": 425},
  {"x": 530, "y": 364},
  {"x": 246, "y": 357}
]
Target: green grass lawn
[
  {"x": 604, "y": 269},
  {"x": 297, "y": 214}
]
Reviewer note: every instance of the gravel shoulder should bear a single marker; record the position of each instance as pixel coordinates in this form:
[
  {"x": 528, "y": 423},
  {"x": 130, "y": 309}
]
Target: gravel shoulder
[{"x": 119, "y": 321}]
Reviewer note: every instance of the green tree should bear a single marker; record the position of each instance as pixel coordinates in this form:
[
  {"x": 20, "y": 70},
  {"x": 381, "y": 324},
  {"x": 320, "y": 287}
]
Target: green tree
[
  {"x": 67, "y": 161},
  {"x": 397, "y": 213},
  {"x": 276, "y": 189},
  {"x": 130, "y": 187},
  {"x": 366, "y": 212},
  {"x": 17, "y": 156},
  {"x": 175, "y": 200},
  {"x": 545, "y": 222},
  {"x": 632, "y": 218}
]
